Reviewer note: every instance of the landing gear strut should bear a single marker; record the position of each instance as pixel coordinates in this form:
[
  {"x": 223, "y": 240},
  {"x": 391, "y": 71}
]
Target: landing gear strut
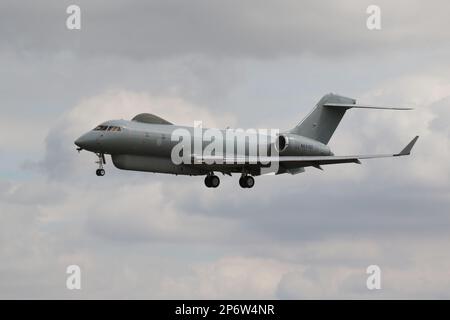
[
  {"x": 246, "y": 181},
  {"x": 212, "y": 181},
  {"x": 100, "y": 172}
]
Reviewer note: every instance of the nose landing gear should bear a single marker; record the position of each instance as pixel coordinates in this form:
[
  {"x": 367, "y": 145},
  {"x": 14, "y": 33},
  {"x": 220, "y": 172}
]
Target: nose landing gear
[
  {"x": 100, "y": 172},
  {"x": 212, "y": 181}
]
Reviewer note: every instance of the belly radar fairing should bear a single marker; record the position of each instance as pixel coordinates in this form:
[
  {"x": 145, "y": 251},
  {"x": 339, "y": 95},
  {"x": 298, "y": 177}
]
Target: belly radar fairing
[{"x": 151, "y": 144}]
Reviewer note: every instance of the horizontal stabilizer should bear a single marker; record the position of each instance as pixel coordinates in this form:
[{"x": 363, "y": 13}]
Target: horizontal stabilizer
[
  {"x": 323, "y": 120},
  {"x": 361, "y": 106}
]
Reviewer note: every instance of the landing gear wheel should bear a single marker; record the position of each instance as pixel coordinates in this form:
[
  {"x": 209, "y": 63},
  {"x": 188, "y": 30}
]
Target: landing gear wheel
[
  {"x": 212, "y": 181},
  {"x": 101, "y": 161},
  {"x": 247, "y": 182},
  {"x": 208, "y": 181},
  {"x": 215, "y": 181}
]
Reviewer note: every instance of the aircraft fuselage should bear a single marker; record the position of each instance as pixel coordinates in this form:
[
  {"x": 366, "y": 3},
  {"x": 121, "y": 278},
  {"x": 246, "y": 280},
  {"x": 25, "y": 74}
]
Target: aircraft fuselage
[{"x": 148, "y": 147}]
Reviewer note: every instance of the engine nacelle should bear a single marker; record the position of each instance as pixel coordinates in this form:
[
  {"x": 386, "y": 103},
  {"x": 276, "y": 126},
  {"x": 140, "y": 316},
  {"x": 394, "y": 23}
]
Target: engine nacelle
[{"x": 293, "y": 145}]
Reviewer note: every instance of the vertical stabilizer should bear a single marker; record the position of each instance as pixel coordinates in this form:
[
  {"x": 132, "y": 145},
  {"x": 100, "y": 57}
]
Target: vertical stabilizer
[{"x": 321, "y": 123}]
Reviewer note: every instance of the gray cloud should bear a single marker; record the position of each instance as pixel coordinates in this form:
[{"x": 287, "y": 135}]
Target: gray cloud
[
  {"x": 161, "y": 29},
  {"x": 300, "y": 244}
]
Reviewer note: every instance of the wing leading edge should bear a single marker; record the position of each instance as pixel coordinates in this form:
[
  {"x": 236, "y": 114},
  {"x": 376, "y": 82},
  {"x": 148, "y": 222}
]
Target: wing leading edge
[{"x": 303, "y": 161}]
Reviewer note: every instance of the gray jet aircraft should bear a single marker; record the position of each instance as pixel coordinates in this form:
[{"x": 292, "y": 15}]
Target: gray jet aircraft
[{"x": 152, "y": 144}]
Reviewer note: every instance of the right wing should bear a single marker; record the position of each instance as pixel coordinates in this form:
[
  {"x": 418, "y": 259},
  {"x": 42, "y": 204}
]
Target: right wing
[{"x": 301, "y": 161}]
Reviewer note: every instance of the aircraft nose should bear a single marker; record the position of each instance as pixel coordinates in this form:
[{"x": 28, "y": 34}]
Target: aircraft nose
[
  {"x": 80, "y": 142},
  {"x": 85, "y": 141},
  {"x": 89, "y": 141}
]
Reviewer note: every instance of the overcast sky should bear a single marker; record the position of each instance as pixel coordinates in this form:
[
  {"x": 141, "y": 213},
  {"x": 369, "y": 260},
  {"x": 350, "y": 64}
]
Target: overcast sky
[{"x": 228, "y": 63}]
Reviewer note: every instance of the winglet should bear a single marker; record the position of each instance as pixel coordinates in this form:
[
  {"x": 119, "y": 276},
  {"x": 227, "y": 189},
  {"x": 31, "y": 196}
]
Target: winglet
[{"x": 407, "y": 150}]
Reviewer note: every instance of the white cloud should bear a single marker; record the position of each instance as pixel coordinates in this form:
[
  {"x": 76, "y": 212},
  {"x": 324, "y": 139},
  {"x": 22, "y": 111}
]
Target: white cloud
[
  {"x": 230, "y": 277},
  {"x": 125, "y": 104},
  {"x": 60, "y": 156}
]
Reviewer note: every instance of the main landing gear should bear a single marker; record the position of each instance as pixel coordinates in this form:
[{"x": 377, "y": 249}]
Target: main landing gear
[
  {"x": 246, "y": 181},
  {"x": 100, "y": 172},
  {"x": 212, "y": 181}
]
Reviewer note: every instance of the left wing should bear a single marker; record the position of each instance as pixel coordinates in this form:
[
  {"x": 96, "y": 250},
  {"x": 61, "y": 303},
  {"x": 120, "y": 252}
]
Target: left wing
[
  {"x": 302, "y": 161},
  {"x": 360, "y": 106}
]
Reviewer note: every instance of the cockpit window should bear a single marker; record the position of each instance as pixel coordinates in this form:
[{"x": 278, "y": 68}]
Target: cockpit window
[
  {"x": 101, "y": 128},
  {"x": 107, "y": 128},
  {"x": 114, "y": 128}
]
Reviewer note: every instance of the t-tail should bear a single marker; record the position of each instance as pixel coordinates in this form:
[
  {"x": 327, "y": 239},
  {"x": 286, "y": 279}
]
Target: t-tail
[{"x": 323, "y": 120}]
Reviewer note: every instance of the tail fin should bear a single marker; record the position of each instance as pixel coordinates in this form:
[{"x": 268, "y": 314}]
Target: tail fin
[
  {"x": 323, "y": 120},
  {"x": 321, "y": 123}
]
